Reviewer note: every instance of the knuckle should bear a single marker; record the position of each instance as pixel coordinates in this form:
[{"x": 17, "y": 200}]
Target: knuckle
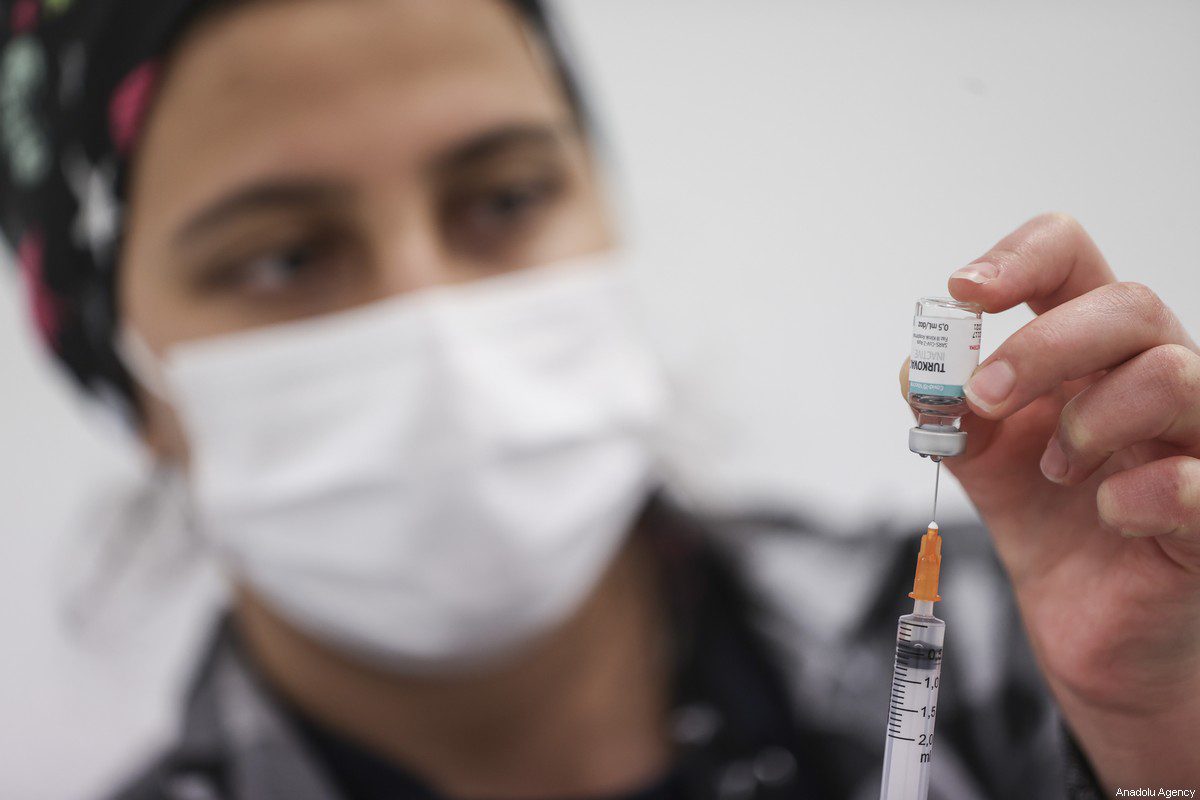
[
  {"x": 1186, "y": 487},
  {"x": 1168, "y": 491},
  {"x": 1025, "y": 251},
  {"x": 1003, "y": 257},
  {"x": 1176, "y": 369},
  {"x": 1059, "y": 221},
  {"x": 1060, "y": 227},
  {"x": 1044, "y": 336},
  {"x": 1173, "y": 483},
  {"x": 1143, "y": 302},
  {"x": 1136, "y": 293}
]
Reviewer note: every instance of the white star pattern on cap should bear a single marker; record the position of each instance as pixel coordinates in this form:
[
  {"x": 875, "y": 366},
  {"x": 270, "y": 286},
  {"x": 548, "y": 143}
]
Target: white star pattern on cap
[{"x": 95, "y": 226}]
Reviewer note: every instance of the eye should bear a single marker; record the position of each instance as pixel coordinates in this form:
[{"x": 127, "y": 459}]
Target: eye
[
  {"x": 306, "y": 266},
  {"x": 511, "y": 201},
  {"x": 273, "y": 273},
  {"x": 491, "y": 219},
  {"x": 507, "y": 205}
]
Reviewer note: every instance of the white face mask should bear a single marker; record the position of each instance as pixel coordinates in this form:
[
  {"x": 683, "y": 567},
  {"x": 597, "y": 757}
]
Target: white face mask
[{"x": 431, "y": 480}]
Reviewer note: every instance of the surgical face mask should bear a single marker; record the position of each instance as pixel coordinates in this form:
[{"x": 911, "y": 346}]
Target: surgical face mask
[{"x": 431, "y": 480}]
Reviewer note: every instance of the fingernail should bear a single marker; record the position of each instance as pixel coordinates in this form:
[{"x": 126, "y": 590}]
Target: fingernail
[
  {"x": 1130, "y": 533},
  {"x": 1054, "y": 461},
  {"x": 979, "y": 273},
  {"x": 991, "y": 385}
]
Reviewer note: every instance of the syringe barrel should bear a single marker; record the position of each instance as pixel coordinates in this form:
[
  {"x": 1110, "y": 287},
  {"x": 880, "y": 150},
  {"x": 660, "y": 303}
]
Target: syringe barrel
[{"x": 913, "y": 707}]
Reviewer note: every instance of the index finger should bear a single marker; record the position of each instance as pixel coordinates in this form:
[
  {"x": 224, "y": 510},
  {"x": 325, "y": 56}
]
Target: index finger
[{"x": 1045, "y": 262}]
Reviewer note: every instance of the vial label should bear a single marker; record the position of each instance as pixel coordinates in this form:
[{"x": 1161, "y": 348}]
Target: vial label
[{"x": 945, "y": 352}]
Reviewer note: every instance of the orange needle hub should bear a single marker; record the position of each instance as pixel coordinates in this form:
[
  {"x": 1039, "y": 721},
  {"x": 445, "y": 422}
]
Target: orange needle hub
[{"x": 929, "y": 565}]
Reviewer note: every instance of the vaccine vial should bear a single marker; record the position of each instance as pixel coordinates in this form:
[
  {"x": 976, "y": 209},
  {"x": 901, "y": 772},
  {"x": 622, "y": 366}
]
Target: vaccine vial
[{"x": 945, "y": 351}]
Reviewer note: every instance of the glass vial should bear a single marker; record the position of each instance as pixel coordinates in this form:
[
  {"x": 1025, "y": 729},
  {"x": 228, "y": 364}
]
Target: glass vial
[{"x": 945, "y": 351}]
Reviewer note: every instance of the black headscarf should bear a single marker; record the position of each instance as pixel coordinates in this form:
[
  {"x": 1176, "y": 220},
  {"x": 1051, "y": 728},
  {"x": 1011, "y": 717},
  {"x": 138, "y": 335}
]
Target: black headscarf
[{"x": 76, "y": 79}]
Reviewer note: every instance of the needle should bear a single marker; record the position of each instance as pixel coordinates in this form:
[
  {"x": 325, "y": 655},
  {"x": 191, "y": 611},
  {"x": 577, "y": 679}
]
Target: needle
[{"x": 937, "y": 479}]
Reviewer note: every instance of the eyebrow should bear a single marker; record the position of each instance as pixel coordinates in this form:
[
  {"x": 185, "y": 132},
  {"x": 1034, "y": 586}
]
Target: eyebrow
[
  {"x": 487, "y": 145},
  {"x": 308, "y": 193},
  {"x": 273, "y": 194}
]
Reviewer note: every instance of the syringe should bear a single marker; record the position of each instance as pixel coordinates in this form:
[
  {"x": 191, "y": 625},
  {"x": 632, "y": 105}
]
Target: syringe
[{"x": 915, "y": 681}]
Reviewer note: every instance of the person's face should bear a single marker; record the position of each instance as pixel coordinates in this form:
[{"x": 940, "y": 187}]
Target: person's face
[{"x": 306, "y": 156}]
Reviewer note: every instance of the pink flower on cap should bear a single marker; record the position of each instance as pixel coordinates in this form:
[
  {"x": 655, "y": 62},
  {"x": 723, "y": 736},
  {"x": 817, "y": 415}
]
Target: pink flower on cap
[
  {"x": 24, "y": 16},
  {"x": 43, "y": 306},
  {"x": 127, "y": 108}
]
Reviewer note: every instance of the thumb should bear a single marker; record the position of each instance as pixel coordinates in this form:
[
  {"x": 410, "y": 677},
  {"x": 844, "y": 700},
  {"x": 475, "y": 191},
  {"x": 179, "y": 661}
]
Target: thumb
[{"x": 904, "y": 381}]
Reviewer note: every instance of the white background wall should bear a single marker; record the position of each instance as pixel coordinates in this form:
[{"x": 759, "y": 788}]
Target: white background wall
[{"x": 787, "y": 168}]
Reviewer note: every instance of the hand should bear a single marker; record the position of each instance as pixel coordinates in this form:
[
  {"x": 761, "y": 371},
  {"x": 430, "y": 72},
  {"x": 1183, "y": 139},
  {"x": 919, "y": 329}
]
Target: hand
[{"x": 1083, "y": 459}]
